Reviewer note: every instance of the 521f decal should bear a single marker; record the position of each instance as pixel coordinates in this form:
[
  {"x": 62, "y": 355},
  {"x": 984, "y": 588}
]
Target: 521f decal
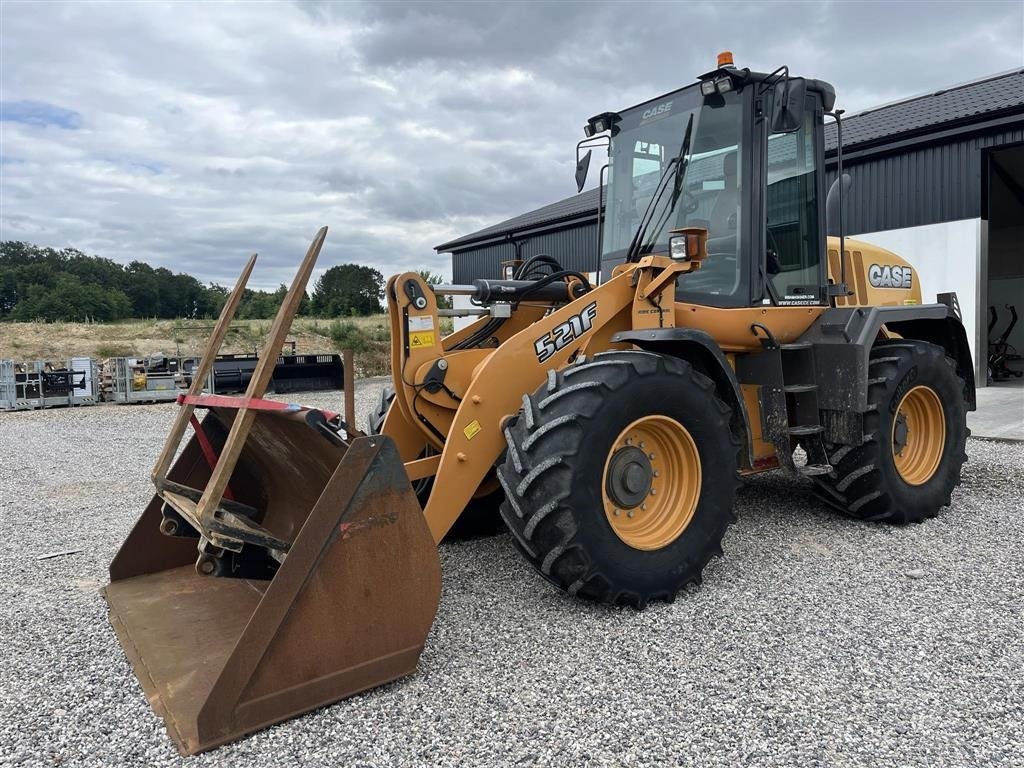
[{"x": 561, "y": 335}]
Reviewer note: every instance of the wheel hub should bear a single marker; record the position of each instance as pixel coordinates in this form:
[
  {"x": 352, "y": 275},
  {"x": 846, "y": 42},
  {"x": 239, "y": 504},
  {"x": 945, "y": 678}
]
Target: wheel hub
[
  {"x": 899, "y": 434},
  {"x": 629, "y": 477},
  {"x": 652, "y": 482},
  {"x": 918, "y": 435}
]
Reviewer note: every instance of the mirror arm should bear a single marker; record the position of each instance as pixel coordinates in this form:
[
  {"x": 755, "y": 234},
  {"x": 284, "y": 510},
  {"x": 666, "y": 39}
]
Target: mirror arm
[
  {"x": 600, "y": 218},
  {"x": 770, "y": 81},
  {"x": 842, "y": 287}
]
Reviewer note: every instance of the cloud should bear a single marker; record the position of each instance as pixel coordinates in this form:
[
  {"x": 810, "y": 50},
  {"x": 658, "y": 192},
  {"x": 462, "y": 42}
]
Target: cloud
[{"x": 190, "y": 134}]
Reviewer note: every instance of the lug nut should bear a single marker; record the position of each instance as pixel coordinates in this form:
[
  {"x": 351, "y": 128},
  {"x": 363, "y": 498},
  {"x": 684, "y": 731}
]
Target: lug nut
[
  {"x": 615, "y": 512},
  {"x": 653, "y": 491},
  {"x": 650, "y": 456},
  {"x": 630, "y": 513}
]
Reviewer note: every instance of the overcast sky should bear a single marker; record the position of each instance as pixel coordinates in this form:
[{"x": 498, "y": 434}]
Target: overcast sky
[{"x": 190, "y": 134}]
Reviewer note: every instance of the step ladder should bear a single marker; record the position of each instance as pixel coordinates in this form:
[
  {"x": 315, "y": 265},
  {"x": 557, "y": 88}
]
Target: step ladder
[{"x": 801, "y": 392}]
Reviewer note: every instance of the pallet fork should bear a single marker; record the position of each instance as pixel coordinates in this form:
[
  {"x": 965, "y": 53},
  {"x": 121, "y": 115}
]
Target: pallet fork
[{"x": 283, "y": 562}]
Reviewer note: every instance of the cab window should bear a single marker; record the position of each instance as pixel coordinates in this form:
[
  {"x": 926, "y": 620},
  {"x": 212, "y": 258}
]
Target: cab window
[{"x": 792, "y": 239}]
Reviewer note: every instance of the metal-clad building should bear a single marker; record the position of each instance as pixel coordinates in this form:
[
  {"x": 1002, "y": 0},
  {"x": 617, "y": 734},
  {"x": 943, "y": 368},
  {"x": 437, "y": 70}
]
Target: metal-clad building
[
  {"x": 566, "y": 229},
  {"x": 920, "y": 161},
  {"x": 938, "y": 178}
]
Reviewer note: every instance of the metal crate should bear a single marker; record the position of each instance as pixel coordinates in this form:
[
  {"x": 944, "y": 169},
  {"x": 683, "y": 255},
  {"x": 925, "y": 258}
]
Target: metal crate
[
  {"x": 35, "y": 385},
  {"x": 131, "y": 381},
  {"x": 7, "y": 388}
]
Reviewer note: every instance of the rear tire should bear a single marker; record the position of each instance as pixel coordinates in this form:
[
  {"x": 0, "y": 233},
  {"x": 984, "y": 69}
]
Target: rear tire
[
  {"x": 915, "y": 432},
  {"x": 558, "y": 477},
  {"x": 479, "y": 518}
]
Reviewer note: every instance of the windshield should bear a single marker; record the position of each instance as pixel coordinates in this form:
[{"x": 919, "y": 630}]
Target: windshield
[{"x": 648, "y": 142}]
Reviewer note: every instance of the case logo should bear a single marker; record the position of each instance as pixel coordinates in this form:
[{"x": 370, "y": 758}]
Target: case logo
[
  {"x": 557, "y": 338},
  {"x": 885, "y": 276},
  {"x": 662, "y": 109}
]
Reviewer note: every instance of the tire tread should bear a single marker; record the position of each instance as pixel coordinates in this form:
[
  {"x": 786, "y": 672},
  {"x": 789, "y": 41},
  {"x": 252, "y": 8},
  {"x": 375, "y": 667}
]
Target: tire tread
[
  {"x": 544, "y": 439},
  {"x": 857, "y": 485}
]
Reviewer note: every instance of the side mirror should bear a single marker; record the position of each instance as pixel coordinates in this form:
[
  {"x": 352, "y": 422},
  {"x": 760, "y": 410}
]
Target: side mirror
[
  {"x": 788, "y": 105},
  {"x": 582, "y": 166},
  {"x": 832, "y": 210}
]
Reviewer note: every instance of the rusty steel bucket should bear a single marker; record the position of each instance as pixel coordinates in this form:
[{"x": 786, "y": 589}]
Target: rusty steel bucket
[
  {"x": 282, "y": 564},
  {"x": 258, "y": 641}
]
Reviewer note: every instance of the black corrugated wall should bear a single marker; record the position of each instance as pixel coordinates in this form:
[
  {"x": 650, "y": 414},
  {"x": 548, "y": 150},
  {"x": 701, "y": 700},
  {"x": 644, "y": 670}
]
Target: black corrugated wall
[
  {"x": 575, "y": 247},
  {"x": 922, "y": 185}
]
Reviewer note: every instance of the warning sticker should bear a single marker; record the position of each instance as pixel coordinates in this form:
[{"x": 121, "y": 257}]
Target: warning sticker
[
  {"x": 421, "y": 323},
  {"x": 472, "y": 429},
  {"x": 421, "y": 339}
]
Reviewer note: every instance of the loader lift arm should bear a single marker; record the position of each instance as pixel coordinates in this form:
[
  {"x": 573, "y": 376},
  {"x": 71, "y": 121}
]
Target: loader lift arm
[{"x": 457, "y": 401}]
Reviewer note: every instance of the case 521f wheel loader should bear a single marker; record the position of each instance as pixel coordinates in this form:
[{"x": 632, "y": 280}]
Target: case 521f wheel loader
[{"x": 286, "y": 560}]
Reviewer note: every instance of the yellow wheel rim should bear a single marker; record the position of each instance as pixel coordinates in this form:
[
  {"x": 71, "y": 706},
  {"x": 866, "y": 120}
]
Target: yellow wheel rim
[
  {"x": 651, "y": 483},
  {"x": 918, "y": 435}
]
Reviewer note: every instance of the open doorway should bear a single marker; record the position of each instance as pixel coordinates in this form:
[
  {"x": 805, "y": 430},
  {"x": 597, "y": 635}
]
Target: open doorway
[{"x": 1005, "y": 279}]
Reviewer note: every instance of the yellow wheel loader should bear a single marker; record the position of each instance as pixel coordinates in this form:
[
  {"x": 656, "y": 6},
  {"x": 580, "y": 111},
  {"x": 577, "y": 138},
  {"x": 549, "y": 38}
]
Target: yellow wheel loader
[{"x": 287, "y": 560}]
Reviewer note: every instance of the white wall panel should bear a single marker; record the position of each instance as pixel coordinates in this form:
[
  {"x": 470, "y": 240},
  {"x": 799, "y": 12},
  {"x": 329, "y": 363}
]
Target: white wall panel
[{"x": 946, "y": 257}]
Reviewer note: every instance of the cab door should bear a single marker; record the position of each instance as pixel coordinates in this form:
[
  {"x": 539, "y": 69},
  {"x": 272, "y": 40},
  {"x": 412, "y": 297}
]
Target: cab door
[{"x": 793, "y": 265}]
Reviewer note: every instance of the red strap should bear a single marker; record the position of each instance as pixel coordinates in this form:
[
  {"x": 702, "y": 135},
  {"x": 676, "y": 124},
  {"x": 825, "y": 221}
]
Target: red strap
[
  {"x": 207, "y": 448},
  {"x": 249, "y": 403}
]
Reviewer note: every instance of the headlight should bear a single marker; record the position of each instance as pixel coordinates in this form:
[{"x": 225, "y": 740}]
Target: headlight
[{"x": 678, "y": 247}]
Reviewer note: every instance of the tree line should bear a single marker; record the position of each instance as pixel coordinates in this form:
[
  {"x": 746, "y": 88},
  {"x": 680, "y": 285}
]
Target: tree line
[{"x": 47, "y": 284}]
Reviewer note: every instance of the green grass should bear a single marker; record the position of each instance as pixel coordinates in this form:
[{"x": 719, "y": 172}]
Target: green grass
[
  {"x": 106, "y": 350},
  {"x": 371, "y": 344}
]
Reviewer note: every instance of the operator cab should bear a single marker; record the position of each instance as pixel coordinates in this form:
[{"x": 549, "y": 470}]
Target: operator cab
[{"x": 740, "y": 154}]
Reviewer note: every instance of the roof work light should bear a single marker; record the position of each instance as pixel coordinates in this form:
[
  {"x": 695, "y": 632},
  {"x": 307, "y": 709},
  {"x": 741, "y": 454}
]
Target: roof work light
[
  {"x": 719, "y": 81},
  {"x": 600, "y": 123}
]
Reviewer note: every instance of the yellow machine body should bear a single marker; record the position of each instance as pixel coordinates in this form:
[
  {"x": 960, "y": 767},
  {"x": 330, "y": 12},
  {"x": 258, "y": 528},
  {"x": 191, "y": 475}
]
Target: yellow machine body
[{"x": 461, "y": 423}]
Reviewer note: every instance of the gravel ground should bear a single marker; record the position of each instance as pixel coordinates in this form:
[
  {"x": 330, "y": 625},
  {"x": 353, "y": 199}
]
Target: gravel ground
[{"x": 815, "y": 641}]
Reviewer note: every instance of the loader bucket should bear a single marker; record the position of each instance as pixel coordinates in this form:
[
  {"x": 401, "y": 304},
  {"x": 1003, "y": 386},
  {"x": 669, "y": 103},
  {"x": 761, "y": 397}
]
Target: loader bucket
[
  {"x": 283, "y": 563},
  {"x": 316, "y": 575}
]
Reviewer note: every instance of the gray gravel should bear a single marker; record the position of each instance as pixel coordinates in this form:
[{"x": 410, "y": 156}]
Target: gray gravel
[{"x": 815, "y": 641}]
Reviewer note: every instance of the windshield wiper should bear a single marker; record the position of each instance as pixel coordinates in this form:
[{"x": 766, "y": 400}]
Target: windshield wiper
[
  {"x": 673, "y": 171},
  {"x": 677, "y": 184}
]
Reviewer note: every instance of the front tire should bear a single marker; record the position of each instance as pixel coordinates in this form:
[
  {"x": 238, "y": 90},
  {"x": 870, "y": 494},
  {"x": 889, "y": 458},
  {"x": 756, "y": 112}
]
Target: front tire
[
  {"x": 620, "y": 477},
  {"x": 915, "y": 432}
]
